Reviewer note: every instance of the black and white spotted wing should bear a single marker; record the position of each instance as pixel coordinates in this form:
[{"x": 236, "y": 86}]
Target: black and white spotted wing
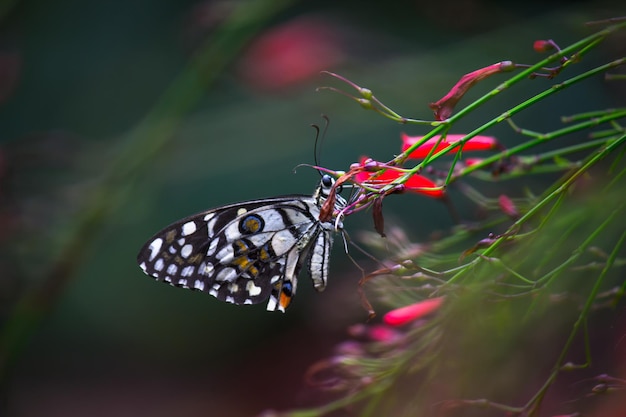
[{"x": 248, "y": 252}]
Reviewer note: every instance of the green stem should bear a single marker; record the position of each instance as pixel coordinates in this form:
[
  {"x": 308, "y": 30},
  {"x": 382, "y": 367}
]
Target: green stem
[
  {"x": 505, "y": 116},
  {"x": 533, "y": 404},
  {"x": 550, "y": 195}
]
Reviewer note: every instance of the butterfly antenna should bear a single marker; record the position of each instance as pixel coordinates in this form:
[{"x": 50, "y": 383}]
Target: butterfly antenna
[
  {"x": 317, "y": 136},
  {"x": 317, "y": 148}
]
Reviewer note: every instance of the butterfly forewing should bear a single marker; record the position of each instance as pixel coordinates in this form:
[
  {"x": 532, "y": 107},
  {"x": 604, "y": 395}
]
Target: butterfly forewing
[{"x": 244, "y": 253}]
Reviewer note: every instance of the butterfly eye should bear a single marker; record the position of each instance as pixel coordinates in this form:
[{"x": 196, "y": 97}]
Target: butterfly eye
[{"x": 328, "y": 182}]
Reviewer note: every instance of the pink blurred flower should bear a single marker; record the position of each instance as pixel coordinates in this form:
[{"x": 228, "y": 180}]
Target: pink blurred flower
[
  {"x": 384, "y": 334},
  {"x": 291, "y": 53},
  {"x": 508, "y": 207}
]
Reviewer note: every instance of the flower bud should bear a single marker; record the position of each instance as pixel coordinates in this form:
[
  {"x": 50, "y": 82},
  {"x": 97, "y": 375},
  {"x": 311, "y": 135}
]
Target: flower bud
[{"x": 542, "y": 46}]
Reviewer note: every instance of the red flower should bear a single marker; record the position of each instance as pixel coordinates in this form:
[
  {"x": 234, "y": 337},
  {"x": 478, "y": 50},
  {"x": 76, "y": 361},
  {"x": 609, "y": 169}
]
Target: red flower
[
  {"x": 412, "y": 312},
  {"x": 371, "y": 174},
  {"x": 477, "y": 143}
]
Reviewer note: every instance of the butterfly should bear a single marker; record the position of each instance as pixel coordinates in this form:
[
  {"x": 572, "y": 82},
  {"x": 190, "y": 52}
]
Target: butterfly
[{"x": 249, "y": 252}]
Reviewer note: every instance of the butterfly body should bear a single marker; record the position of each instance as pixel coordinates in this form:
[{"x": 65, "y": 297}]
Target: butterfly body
[{"x": 248, "y": 252}]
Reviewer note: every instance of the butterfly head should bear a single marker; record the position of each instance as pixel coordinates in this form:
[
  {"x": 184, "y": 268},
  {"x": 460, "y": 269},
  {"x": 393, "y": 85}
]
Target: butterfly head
[{"x": 323, "y": 192}]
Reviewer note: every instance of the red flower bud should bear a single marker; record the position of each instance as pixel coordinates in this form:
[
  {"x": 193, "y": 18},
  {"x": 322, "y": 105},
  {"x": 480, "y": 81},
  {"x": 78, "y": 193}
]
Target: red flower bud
[
  {"x": 412, "y": 312},
  {"x": 542, "y": 46},
  {"x": 444, "y": 106},
  {"x": 477, "y": 143},
  {"x": 372, "y": 177}
]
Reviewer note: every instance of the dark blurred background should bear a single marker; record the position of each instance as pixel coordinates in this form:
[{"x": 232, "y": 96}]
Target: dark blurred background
[{"x": 120, "y": 117}]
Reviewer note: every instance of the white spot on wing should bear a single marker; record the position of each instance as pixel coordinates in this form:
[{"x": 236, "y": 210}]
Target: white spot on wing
[
  {"x": 241, "y": 211},
  {"x": 282, "y": 242},
  {"x": 199, "y": 285},
  {"x": 183, "y": 283},
  {"x": 229, "y": 299},
  {"x": 186, "y": 250},
  {"x": 189, "y": 228},
  {"x": 206, "y": 269},
  {"x": 211, "y": 226},
  {"x": 155, "y": 247},
  {"x": 158, "y": 265},
  {"x": 225, "y": 255},
  {"x": 172, "y": 269},
  {"x": 187, "y": 271},
  {"x": 226, "y": 274},
  {"x": 232, "y": 232},
  {"x": 143, "y": 266},
  {"x": 212, "y": 247},
  {"x": 271, "y": 304},
  {"x": 252, "y": 289}
]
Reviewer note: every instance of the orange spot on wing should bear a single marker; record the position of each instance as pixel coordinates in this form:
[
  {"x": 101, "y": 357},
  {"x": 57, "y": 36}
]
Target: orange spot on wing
[{"x": 285, "y": 300}]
